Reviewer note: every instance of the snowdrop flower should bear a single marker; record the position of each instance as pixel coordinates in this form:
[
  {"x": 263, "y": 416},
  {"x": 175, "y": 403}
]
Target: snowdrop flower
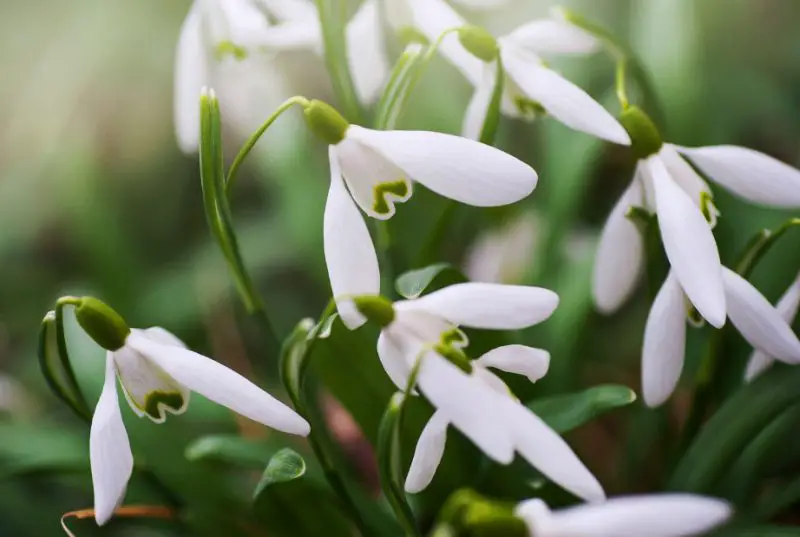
[
  {"x": 665, "y": 332},
  {"x": 218, "y": 33},
  {"x": 787, "y": 307},
  {"x": 157, "y": 373},
  {"x": 666, "y": 184},
  {"x": 373, "y": 170},
  {"x": 466, "y": 394},
  {"x": 655, "y": 515},
  {"x": 530, "y": 86}
]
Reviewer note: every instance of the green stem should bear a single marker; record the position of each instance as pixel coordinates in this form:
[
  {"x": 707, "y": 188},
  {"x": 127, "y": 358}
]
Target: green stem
[
  {"x": 61, "y": 339},
  {"x": 251, "y": 142},
  {"x": 383, "y": 243},
  {"x": 334, "y": 38}
]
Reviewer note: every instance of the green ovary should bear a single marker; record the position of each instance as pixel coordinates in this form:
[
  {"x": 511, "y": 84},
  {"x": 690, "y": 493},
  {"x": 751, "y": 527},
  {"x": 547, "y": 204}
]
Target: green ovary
[
  {"x": 398, "y": 189},
  {"x": 155, "y": 399}
]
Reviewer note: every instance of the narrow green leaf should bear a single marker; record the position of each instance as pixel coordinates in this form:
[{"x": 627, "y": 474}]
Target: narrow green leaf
[
  {"x": 230, "y": 449},
  {"x": 414, "y": 283},
  {"x": 760, "y": 244},
  {"x": 492, "y": 120},
  {"x": 390, "y": 464},
  {"x": 736, "y": 423},
  {"x": 27, "y": 449},
  {"x": 388, "y": 108},
  {"x": 566, "y": 412},
  {"x": 286, "y": 465}
]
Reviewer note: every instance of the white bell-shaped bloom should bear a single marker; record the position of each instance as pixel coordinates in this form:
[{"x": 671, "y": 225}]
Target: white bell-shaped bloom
[
  {"x": 530, "y": 86},
  {"x": 749, "y": 174},
  {"x": 216, "y": 34},
  {"x": 665, "y": 184},
  {"x": 763, "y": 326},
  {"x": 478, "y": 403},
  {"x": 157, "y": 373},
  {"x": 373, "y": 170},
  {"x": 655, "y": 515},
  {"x": 787, "y": 307}
]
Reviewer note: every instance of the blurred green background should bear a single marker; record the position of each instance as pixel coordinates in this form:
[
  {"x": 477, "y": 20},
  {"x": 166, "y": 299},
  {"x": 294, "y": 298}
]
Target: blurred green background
[{"x": 95, "y": 198}]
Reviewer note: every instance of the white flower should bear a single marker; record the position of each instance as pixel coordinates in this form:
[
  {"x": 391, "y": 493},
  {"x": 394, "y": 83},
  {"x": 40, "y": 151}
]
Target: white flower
[
  {"x": 377, "y": 169},
  {"x": 665, "y": 333},
  {"x": 219, "y": 34},
  {"x": 157, "y": 373},
  {"x": 478, "y": 404},
  {"x": 787, "y": 307},
  {"x": 687, "y": 239},
  {"x": 530, "y": 86},
  {"x": 655, "y": 515}
]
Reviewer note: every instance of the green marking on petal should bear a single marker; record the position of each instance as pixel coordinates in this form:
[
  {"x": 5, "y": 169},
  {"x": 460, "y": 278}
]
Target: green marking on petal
[
  {"x": 455, "y": 356},
  {"x": 709, "y": 209},
  {"x": 529, "y": 108},
  {"x": 229, "y": 48},
  {"x": 157, "y": 401},
  {"x": 385, "y": 194},
  {"x": 454, "y": 338}
]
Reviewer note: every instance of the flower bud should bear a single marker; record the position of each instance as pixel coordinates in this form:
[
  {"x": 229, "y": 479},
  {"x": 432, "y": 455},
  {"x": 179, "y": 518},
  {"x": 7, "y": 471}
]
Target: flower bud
[
  {"x": 376, "y": 308},
  {"x": 479, "y": 43},
  {"x": 645, "y": 138},
  {"x": 493, "y": 519},
  {"x": 325, "y": 122},
  {"x": 101, "y": 323}
]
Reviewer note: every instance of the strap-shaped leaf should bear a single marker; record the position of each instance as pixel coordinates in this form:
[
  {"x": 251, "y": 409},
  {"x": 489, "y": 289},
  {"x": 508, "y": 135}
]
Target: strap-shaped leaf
[
  {"x": 567, "y": 412},
  {"x": 285, "y": 466},
  {"x": 230, "y": 449},
  {"x": 415, "y": 283}
]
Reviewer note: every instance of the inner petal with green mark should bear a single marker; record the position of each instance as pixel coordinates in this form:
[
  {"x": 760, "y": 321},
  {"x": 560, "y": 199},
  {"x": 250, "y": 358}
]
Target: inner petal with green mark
[
  {"x": 148, "y": 389},
  {"x": 375, "y": 183}
]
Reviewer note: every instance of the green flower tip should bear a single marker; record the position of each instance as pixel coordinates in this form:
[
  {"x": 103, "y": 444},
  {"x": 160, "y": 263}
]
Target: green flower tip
[
  {"x": 645, "y": 138},
  {"x": 376, "y": 308},
  {"x": 409, "y": 35},
  {"x": 493, "y": 519},
  {"x": 479, "y": 43},
  {"x": 325, "y": 122},
  {"x": 104, "y": 325}
]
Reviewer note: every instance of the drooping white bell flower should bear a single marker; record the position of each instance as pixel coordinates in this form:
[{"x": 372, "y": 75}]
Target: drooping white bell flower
[
  {"x": 666, "y": 184},
  {"x": 469, "y": 396},
  {"x": 157, "y": 373},
  {"x": 531, "y": 87},
  {"x": 216, "y": 33},
  {"x": 754, "y": 317},
  {"x": 787, "y": 307},
  {"x": 373, "y": 170},
  {"x": 654, "y": 515}
]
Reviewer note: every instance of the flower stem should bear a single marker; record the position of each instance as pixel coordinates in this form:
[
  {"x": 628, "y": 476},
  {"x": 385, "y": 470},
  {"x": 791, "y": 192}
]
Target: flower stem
[{"x": 332, "y": 18}]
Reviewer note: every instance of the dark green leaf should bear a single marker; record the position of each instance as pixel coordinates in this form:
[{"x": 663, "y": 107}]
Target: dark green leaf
[
  {"x": 286, "y": 465},
  {"x": 414, "y": 283},
  {"x": 27, "y": 448},
  {"x": 733, "y": 427},
  {"x": 566, "y": 412},
  {"x": 230, "y": 449}
]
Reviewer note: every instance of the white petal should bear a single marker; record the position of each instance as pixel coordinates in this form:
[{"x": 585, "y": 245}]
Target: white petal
[
  {"x": 549, "y": 453},
  {"x": 658, "y": 515},
  {"x": 366, "y": 52},
  {"x": 749, "y": 174},
  {"x": 220, "y": 384},
  {"x": 478, "y": 107},
  {"x": 290, "y": 36},
  {"x": 562, "y": 99},
  {"x": 432, "y": 18},
  {"x": 191, "y": 75},
  {"x": 689, "y": 244},
  {"x": 464, "y": 170},
  {"x": 290, "y": 10},
  {"x": 468, "y": 404},
  {"x": 109, "y": 450},
  {"x": 664, "y": 345},
  {"x": 760, "y": 323},
  {"x": 518, "y": 359},
  {"x": 428, "y": 454},
  {"x": 162, "y": 335},
  {"x": 148, "y": 389},
  {"x": 683, "y": 174},
  {"x": 393, "y": 360},
  {"x": 490, "y": 306},
  {"x": 620, "y": 254},
  {"x": 482, "y": 4},
  {"x": 349, "y": 252},
  {"x": 787, "y": 307},
  {"x": 548, "y": 36},
  {"x": 375, "y": 183}
]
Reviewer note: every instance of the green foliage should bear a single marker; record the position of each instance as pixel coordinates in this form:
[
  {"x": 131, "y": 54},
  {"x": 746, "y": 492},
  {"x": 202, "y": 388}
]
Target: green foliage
[{"x": 567, "y": 412}]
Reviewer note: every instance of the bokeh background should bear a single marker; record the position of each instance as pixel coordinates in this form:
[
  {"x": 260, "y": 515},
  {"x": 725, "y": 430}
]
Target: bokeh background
[{"x": 96, "y": 198}]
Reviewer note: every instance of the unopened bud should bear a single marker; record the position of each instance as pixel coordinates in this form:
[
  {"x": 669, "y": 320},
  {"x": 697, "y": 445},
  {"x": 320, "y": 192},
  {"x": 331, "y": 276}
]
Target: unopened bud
[
  {"x": 479, "y": 43},
  {"x": 645, "y": 138},
  {"x": 325, "y": 122},
  {"x": 376, "y": 308},
  {"x": 104, "y": 325}
]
